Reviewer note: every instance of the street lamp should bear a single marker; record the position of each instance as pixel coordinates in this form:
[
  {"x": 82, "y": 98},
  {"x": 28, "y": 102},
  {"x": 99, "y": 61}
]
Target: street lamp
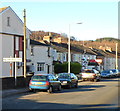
[
  {"x": 69, "y": 55},
  {"x": 116, "y": 56}
]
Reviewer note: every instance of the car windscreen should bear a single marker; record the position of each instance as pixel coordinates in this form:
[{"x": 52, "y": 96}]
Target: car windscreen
[
  {"x": 64, "y": 76},
  {"x": 113, "y": 71},
  {"x": 106, "y": 71},
  {"x": 39, "y": 78}
]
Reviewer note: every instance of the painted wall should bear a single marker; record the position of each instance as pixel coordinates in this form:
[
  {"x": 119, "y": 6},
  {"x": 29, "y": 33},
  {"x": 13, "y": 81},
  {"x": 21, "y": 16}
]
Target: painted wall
[
  {"x": 14, "y": 30},
  {"x": 41, "y": 55}
]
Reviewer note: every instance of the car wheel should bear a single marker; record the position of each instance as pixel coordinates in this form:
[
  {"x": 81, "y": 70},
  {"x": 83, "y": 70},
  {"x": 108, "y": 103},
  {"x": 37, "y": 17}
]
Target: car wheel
[
  {"x": 83, "y": 79},
  {"x": 50, "y": 90},
  {"x": 30, "y": 89},
  {"x": 76, "y": 85},
  {"x": 59, "y": 88},
  {"x": 70, "y": 86},
  {"x": 95, "y": 80}
]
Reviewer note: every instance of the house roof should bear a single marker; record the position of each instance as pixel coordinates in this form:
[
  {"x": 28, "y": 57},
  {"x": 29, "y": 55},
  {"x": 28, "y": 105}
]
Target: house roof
[
  {"x": 3, "y": 8},
  {"x": 33, "y": 42},
  {"x": 63, "y": 47}
]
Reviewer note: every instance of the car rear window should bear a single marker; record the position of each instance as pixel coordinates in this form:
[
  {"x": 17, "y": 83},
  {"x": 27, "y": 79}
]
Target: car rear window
[
  {"x": 39, "y": 78},
  {"x": 88, "y": 71}
]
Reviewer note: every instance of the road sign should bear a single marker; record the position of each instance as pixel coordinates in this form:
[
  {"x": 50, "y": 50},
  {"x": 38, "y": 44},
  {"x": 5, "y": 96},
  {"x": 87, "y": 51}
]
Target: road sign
[{"x": 12, "y": 59}]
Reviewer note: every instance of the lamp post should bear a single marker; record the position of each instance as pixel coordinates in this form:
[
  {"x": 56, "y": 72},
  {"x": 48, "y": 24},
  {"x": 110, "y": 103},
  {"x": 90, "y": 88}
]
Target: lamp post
[
  {"x": 116, "y": 56},
  {"x": 69, "y": 55}
]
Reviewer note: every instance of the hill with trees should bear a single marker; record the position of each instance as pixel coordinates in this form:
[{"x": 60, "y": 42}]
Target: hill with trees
[{"x": 100, "y": 43}]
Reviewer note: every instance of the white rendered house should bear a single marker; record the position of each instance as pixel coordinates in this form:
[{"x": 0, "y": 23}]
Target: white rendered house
[{"x": 42, "y": 58}]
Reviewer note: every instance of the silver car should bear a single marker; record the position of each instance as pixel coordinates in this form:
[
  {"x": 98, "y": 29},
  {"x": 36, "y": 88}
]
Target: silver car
[{"x": 91, "y": 74}]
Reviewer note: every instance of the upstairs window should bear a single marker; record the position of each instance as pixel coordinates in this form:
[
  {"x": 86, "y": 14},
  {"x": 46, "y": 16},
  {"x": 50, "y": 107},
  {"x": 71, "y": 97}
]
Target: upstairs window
[
  {"x": 48, "y": 51},
  {"x": 8, "y": 21},
  {"x": 32, "y": 51}
]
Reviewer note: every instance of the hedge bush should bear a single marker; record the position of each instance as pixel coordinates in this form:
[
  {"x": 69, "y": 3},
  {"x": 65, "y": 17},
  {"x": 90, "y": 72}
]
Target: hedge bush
[{"x": 75, "y": 67}]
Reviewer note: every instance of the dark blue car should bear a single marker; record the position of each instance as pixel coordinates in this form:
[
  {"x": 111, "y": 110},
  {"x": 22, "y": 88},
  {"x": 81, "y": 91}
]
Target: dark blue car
[
  {"x": 68, "y": 79},
  {"x": 106, "y": 73}
]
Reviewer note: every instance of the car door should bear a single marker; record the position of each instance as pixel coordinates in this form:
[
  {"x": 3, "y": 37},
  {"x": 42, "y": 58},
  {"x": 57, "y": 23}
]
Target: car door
[
  {"x": 51, "y": 80},
  {"x": 73, "y": 79},
  {"x": 56, "y": 83}
]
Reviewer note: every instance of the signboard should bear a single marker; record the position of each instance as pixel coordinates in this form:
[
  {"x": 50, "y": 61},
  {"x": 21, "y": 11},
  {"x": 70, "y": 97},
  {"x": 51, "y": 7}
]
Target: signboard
[{"x": 12, "y": 59}]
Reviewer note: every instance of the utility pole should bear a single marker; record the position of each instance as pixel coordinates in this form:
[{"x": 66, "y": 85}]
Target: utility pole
[
  {"x": 116, "y": 55},
  {"x": 24, "y": 43}
]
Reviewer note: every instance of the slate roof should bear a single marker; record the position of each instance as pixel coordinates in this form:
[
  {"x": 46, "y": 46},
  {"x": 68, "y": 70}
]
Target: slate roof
[
  {"x": 2, "y": 9},
  {"x": 33, "y": 42},
  {"x": 63, "y": 47}
]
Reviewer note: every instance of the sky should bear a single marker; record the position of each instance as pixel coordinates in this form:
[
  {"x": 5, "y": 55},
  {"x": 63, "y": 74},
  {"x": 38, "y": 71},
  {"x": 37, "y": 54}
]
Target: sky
[{"x": 99, "y": 18}]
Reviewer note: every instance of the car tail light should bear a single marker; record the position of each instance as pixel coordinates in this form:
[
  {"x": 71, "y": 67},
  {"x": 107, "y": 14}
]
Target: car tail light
[
  {"x": 94, "y": 74},
  {"x": 30, "y": 83},
  {"x": 47, "y": 83}
]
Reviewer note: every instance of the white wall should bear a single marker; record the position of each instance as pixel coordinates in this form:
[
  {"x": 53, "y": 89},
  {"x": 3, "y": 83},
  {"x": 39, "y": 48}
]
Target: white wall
[
  {"x": 41, "y": 55},
  {"x": 7, "y": 41},
  {"x": 16, "y": 26},
  {"x": 109, "y": 63},
  {"x": 7, "y": 51},
  {"x": 0, "y": 55}
]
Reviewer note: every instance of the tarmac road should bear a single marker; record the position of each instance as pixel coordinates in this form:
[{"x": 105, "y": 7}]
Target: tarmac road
[{"x": 89, "y": 95}]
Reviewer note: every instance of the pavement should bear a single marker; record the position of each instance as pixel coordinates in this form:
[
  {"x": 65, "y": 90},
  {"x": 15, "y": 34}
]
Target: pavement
[{"x": 10, "y": 92}]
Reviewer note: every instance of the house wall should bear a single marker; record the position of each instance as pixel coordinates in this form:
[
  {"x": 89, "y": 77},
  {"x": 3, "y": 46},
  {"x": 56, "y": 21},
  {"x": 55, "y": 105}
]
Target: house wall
[
  {"x": 7, "y": 51},
  {"x": 8, "y": 34},
  {"x": 41, "y": 55},
  {"x": 109, "y": 63},
  {"x": 16, "y": 26}
]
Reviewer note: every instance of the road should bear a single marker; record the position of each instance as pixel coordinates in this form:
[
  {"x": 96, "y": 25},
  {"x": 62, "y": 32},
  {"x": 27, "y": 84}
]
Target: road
[{"x": 89, "y": 95}]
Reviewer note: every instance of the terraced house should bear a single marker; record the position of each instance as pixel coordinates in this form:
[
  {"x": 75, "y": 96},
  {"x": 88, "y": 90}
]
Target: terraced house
[{"x": 11, "y": 42}]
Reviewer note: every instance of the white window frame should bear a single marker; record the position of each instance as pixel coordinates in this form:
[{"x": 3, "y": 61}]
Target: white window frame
[{"x": 40, "y": 66}]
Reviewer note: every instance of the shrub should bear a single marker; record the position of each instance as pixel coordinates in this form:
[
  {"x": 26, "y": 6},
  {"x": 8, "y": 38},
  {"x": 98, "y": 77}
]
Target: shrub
[{"x": 75, "y": 67}]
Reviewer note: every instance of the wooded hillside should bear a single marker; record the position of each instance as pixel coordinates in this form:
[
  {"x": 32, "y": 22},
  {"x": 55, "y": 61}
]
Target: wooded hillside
[{"x": 101, "y": 43}]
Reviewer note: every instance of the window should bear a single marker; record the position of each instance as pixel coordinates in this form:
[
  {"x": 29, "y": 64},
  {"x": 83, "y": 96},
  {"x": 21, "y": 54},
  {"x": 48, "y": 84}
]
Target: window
[
  {"x": 54, "y": 78},
  {"x": 32, "y": 51},
  {"x": 48, "y": 51},
  {"x": 50, "y": 78},
  {"x": 40, "y": 66},
  {"x": 8, "y": 21}
]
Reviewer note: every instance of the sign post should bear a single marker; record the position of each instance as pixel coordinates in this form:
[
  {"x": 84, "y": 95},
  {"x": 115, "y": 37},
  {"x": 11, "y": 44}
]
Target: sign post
[
  {"x": 13, "y": 60},
  {"x": 15, "y": 72}
]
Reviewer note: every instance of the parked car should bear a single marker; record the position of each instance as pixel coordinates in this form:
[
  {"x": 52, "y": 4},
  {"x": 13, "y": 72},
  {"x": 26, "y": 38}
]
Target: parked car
[
  {"x": 68, "y": 79},
  {"x": 119, "y": 73},
  {"x": 90, "y": 74},
  {"x": 106, "y": 73},
  {"x": 46, "y": 82},
  {"x": 115, "y": 72}
]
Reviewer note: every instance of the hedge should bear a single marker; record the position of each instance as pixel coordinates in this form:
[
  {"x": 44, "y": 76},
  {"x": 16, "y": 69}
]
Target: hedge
[{"x": 75, "y": 67}]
